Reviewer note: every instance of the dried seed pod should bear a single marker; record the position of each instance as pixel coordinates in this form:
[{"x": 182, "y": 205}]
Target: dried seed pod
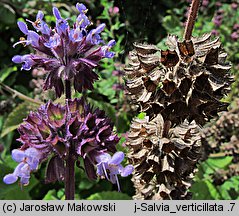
[
  {"x": 186, "y": 82},
  {"x": 164, "y": 157}
]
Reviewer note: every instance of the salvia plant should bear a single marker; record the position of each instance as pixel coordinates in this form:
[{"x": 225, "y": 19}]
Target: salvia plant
[
  {"x": 177, "y": 92},
  {"x": 60, "y": 133}
]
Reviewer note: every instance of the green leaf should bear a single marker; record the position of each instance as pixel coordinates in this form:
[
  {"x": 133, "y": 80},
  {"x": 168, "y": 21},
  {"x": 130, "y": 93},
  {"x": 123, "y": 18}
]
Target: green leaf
[
  {"x": 7, "y": 14},
  {"x": 51, "y": 195},
  {"x": 16, "y": 117},
  {"x": 5, "y": 72},
  {"x": 170, "y": 23},
  {"x": 86, "y": 184},
  {"x": 230, "y": 188},
  {"x": 141, "y": 115},
  {"x": 109, "y": 195},
  {"x": 220, "y": 162},
  {"x": 213, "y": 190},
  {"x": 200, "y": 191}
]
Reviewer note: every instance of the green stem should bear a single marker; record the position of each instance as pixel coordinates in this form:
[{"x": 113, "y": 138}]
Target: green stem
[{"x": 20, "y": 95}]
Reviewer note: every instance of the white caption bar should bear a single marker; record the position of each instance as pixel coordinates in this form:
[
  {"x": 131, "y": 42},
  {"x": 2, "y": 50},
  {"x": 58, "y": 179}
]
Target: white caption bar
[{"x": 119, "y": 207}]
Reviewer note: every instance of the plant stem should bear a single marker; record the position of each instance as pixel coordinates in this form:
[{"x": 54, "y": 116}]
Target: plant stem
[
  {"x": 70, "y": 176},
  {"x": 20, "y": 95},
  {"x": 70, "y": 161},
  {"x": 68, "y": 89},
  {"x": 191, "y": 19}
]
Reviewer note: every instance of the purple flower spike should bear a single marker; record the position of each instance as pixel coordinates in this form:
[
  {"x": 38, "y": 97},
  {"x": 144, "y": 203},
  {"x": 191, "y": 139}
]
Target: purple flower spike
[{"x": 65, "y": 53}]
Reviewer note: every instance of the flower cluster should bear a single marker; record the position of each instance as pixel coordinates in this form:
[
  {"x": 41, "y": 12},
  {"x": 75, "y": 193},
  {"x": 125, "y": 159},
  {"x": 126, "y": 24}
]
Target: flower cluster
[
  {"x": 28, "y": 161},
  {"x": 65, "y": 53},
  {"x": 54, "y": 128}
]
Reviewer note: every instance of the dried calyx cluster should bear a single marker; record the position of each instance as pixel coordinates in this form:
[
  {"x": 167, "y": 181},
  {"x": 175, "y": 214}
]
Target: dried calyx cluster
[
  {"x": 222, "y": 139},
  {"x": 179, "y": 91}
]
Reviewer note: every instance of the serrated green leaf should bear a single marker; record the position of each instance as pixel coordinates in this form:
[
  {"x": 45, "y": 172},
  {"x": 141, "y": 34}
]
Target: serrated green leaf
[
  {"x": 109, "y": 195},
  {"x": 16, "y": 117}
]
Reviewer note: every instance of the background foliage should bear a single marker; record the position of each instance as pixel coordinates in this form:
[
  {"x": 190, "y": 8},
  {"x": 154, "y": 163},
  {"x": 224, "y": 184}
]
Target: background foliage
[{"x": 127, "y": 22}]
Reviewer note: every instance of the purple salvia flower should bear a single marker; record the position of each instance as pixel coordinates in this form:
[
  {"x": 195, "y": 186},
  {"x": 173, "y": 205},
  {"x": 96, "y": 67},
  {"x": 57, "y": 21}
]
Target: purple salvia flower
[
  {"x": 40, "y": 25},
  {"x": 82, "y": 20},
  {"x": 53, "y": 42},
  {"x": 81, "y": 8},
  {"x": 23, "y": 27},
  {"x": 28, "y": 161},
  {"x": 107, "y": 165},
  {"x": 52, "y": 129},
  {"x": 94, "y": 36},
  {"x": 65, "y": 53},
  {"x": 75, "y": 35},
  {"x": 25, "y": 59},
  {"x": 106, "y": 49},
  {"x": 32, "y": 37},
  {"x": 18, "y": 155},
  {"x": 61, "y": 24}
]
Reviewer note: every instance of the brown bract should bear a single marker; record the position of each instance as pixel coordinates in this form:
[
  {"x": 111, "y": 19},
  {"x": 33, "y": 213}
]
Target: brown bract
[
  {"x": 179, "y": 89},
  {"x": 187, "y": 81},
  {"x": 164, "y": 158}
]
